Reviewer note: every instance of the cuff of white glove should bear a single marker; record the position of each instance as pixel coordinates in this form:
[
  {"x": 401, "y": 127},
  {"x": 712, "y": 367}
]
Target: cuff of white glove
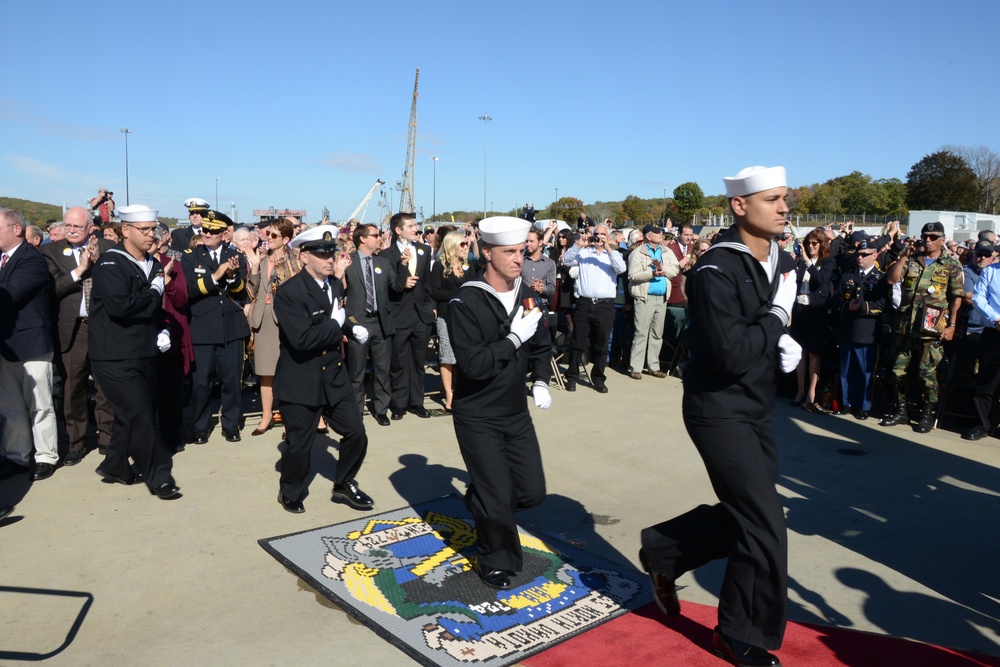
[{"x": 512, "y": 337}]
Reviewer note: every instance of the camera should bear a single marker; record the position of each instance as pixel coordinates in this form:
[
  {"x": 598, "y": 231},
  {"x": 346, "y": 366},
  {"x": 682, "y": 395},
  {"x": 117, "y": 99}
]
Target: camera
[
  {"x": 593, "y": 238},
  {"x": 919, "y": 245}
]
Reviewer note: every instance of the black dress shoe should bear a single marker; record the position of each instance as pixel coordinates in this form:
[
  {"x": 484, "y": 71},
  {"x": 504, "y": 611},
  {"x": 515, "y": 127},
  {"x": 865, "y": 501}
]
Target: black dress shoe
[
  {"x": 974, "y": 433},
  {"x": 200, "y": 437},
  {"x": 861, "y": 415},
  {"x": 102, "y": 450},
  {"x": 664, "y": 589},
  {"x": 5, "y": 511},
  {"x": 601, "y": 388},
  {"x": 231, "y": 435},
  {"x": 396, "y": 416},
  {"x": 166, "y": 491},
  {"x": 843, "y": 410},
  {"x": 73, "y": 457},
  {"x": 570, "y": 385},
  {"x": 349, "y": 494},
  {"x": 499, "y": 579},
  {"x": 382, "y": 420},
  {"x": 111, "y": 478},
  {"x": 741, "y": 654},
  {"x": 42, "y": 471},
  {"x": 293, "y": 506},
  {"x": 419, "y": 411}
]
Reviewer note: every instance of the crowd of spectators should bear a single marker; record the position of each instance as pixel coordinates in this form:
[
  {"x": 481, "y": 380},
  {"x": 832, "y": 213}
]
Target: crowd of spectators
[{"x": 869, "y": 309}]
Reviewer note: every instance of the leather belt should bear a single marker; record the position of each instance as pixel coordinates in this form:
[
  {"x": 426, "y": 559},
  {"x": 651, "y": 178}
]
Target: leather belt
[
  {"x": 595, "y": 301},
  {"x": 83, "y": 319}
]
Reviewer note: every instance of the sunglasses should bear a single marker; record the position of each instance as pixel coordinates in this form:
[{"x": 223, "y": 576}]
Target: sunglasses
[
  {"x": 982, "y": 255},
  {"x": 931, "y": 237},
  {"x": 274, "y": 236},
  {"x": 213, "y": 232},
  {"x": 812, "y": 242},
  {"x": 866, "y": 254}
]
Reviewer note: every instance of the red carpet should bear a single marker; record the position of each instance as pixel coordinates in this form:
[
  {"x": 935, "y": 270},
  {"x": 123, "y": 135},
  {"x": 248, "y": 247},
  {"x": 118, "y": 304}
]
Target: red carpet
[{"x": 647, "y": 637}]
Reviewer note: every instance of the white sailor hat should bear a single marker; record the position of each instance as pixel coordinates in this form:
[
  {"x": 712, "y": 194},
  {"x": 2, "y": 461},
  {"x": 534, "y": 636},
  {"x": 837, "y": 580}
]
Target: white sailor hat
[
  {"x": 137, "y": 213},
  {"x": 754, "y": 179},
  {"x": 322, "y": 238},
  {"x": 196, "y": 205},
  {"x": 503, "y": 230}
]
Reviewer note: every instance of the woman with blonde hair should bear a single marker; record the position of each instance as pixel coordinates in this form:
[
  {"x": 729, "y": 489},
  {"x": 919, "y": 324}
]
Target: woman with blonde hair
[
  {"x": 267, "y": 271},
  {"x": 447, "y": 275}
]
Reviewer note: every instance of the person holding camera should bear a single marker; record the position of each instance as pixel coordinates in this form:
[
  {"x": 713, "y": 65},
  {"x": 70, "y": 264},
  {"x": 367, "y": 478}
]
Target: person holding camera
[
  {"x": 932, "y": 292},
  {"x": 102, "y": 206},
  {"x": 599, "y": 263}
]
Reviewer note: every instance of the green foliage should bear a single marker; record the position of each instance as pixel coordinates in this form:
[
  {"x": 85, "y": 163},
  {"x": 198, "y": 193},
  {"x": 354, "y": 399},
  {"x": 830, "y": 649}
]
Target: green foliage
[
  {"x": 942, "y": 181},
  {"x": 634, "y": 210},
  {"x": 688, "y": 200},
  {"x": 567, "y": 209},
  {"x": 855, "y": 193},
  {"x": 34, "y": 212}
]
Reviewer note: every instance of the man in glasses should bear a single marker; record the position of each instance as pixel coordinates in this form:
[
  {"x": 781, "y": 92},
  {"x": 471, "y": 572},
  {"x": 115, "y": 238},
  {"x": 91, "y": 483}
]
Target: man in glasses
[
  {"x": 127, "y": 334},
  {"x": 863, "y": 294},
  {"x": 70, "y": 262},
  {"x": 981, "y": 332},
  {"x": 932, "y": 292},
  {"x": 216, "y": 277}
]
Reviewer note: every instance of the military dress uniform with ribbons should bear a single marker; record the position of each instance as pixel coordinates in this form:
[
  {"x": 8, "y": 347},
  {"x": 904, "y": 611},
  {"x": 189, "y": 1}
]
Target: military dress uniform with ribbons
[{"x": 218, "y": 329}]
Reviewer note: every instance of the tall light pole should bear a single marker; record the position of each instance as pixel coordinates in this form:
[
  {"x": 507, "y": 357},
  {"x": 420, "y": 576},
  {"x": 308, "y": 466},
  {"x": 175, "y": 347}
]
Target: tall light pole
[
  {"x": 486, "y": 136},
  {"x": 217, "y": 192},
  {"x": 126, "y": 132},
  {"x": 435, "y": 208}
]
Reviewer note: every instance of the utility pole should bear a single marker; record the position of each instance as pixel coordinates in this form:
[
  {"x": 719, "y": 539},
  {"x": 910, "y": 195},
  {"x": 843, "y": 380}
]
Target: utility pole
[{"x": 486, "y": 136}]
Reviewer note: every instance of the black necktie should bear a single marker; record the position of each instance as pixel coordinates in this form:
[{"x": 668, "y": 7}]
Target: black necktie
[
  {"x": 326, "y": 291},
  {"x": 369, "y": 286}
]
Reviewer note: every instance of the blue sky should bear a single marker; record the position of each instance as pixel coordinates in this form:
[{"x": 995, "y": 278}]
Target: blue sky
[{"x": 304, "y": 104}]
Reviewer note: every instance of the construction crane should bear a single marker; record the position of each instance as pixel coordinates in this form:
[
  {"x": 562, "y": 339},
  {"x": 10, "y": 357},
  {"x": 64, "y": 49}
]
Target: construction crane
[
  {"x": 364, "y": 203},
  {"x": 406, "y": 195}
]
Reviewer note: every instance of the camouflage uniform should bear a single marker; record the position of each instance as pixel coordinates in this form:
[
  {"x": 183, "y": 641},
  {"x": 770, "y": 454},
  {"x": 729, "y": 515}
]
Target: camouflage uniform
[{"x": 934, "y": 286}]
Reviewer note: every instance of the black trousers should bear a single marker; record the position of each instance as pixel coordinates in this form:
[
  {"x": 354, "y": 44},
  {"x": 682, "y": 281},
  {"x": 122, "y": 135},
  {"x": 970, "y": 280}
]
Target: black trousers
[
  {"x": 409, "y": 351},
  {"x": 378, "y": 347},
  {"x": 224, "y": 361},
  {"x": 170, "y": 398},
  {"x": 505, "y": 464},
  {"x": 987, "y": 377},
  {"x": 130, "y": 386},
  {"x": 747, "y": 527},
  {"x": 76, "y": 407},
  {"x": 300, "y": 429},
  {"x": 592, "y": 324}
]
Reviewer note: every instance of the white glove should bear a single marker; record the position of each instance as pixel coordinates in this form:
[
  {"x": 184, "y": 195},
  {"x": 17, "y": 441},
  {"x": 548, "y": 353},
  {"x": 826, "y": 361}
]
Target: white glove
[
  {"x": 540, "y": 392},
  {"x": 802, "y": 299},
  {"x": 163, "y": 340},
  {"x": 157, "y": 284},
  {"x": 360, "y": 334},
  {"x": 524, "y": 327},
  {"x": 785, "y": 298},
  {"x": 790, "y": 352},
  {"x": 338, "y": 313}
]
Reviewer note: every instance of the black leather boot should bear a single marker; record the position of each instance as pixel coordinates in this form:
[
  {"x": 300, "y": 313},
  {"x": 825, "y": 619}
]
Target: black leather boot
[
  {"x": 899, "y": 416},
  {"x": 927, "y": 418}
]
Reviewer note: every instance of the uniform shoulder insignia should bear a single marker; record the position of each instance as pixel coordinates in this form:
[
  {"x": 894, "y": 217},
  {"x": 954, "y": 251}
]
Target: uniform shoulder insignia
[{"x": 188, "y": 250}]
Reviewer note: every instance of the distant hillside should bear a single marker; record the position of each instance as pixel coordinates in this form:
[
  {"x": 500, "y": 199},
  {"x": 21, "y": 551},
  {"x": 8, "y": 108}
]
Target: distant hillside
[
  {"x": 37, "y": 213},
  {"x": 34, "y": 212}
]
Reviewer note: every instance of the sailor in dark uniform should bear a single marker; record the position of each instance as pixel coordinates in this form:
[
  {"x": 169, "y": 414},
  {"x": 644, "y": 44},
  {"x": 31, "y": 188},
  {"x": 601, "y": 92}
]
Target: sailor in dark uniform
[
  {"x": 216, "y": 278},
  {"x": 311, "y": 378},
  {"x": 494, "y": 329},
  {"x": 127, "y": 331},
  {"x": 740, "y": 298}
]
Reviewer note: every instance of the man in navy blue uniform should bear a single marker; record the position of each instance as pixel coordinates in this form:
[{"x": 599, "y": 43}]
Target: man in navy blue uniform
[
  {"x": 494, "y": 329},
  {"x": 216, "y": 276},
  {"x": 311, "y": 378},
  {"x": 127, "y": 331},
  {"x": 740, "y": 298}
]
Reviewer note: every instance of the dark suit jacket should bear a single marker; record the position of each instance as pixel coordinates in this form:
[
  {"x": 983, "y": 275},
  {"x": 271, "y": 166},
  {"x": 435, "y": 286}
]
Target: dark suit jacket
[
  {"x": 68, "y": 292},
  {"x": 310, "y": 369},
  {"x": 385, "y": 274},
  {"x": 125, "y": 312},
  {"x": 25, "y": 305},
  {"x": 410, "y": 306},
  {"x": 215, "y": 316}
]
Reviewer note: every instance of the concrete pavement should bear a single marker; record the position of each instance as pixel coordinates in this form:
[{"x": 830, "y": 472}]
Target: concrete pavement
[{"x": 890, "y": 532}]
